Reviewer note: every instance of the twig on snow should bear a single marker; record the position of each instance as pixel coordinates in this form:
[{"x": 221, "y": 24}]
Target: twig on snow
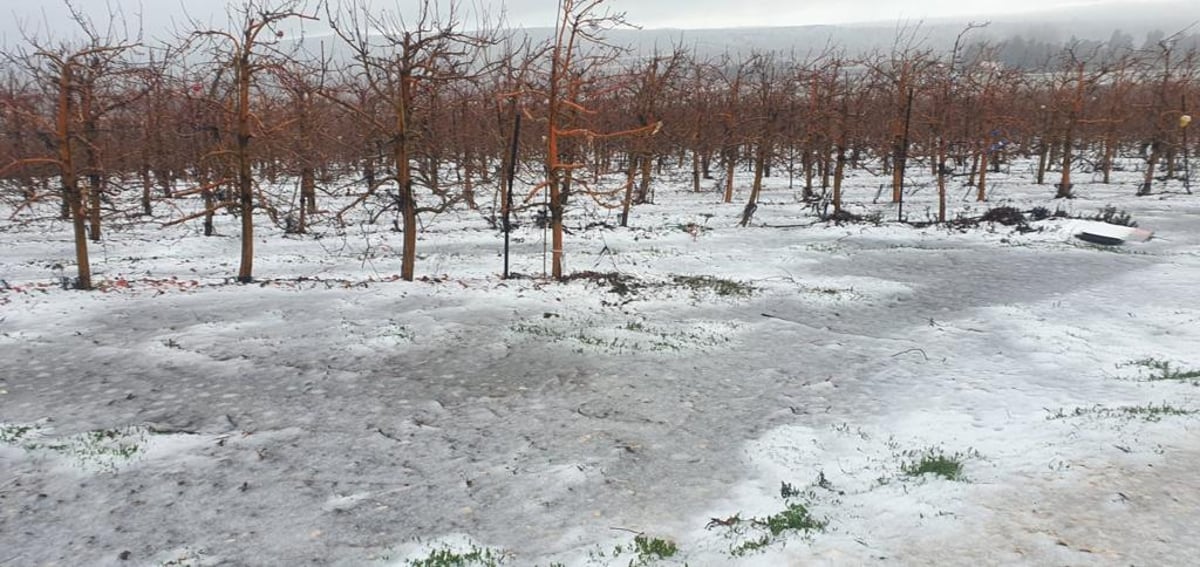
[
  {"x": 922, "y": 351},
  {"x": 620, "y": 529}
]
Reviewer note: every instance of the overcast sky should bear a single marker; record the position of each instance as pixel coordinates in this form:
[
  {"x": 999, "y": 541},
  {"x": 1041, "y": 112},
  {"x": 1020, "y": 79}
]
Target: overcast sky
[{"x": 157, "y": 15}]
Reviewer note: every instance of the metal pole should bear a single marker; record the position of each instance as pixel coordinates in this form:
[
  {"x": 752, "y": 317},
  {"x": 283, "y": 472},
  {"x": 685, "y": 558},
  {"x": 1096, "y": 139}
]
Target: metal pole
[
  {"x": 1184, "y": 121},
  {"x": 904, "y": 153},
  {"x": 1187, "y": 173},
  {"x": 511, "y": 175}
]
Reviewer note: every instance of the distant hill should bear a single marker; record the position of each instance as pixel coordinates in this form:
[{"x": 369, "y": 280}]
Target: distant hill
[
  {"x": 1097, "y": 23},
  {"x": 1025, "y": 41}
]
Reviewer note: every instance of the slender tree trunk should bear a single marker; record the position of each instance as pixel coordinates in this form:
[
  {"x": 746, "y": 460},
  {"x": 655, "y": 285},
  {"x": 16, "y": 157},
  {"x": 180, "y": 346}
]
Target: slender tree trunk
[
  {"x": 806, "y": 161},
  {"x": 647, "y": 162},
  {"x": 70, "y": 182},
  {"x": 403, "y": 162},
  {"x": 1064, "y": 185},
  {"x": 64, "y": 209},
  {"x": 210, "y": 202},
  {"x": 981, "y": 185},
  {"x": 730, "y": 166},
  {"x": 245, "y": 178},
  {"x": 95, "y": 191},
  {"x": 147, "y": 189},
  {"x": 308, "y": 169},
  {"x": 554, "y": 171},
  {"x": 761, "y": 150},
  {"x": 627, "y": 201},
  {"x": 696, "y": 172},
  {"x": 838, "y": 174},
  {"x": 1110, "y": 151},
  {"x": 825, "y": 163},
  {"x": 941, "y": 185},
  {"x": 469, "y": 180},
  {"x": 1151, "y": 167},
  {"x": 1043, "y": 160},
  {"x": 900, "y": 152},
  {"x": 308, "y": 190},
  {"x": 91, "y": 140}
]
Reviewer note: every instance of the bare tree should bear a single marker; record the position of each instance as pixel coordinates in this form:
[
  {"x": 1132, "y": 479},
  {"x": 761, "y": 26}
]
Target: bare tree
[
  {"x": 248, "y": 50},
  {"x": 1075, "y": 85},
  {"x": 72, "y": 73},
  {"x": 1165, "y": 112},
  {"x": 767, "y": 87},
  {"x": 396, "y": 59},
  {"x": 579, "y": 23}
]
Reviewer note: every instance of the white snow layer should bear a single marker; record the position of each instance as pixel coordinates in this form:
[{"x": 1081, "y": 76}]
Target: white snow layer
[{"x": 333, "y": 415}]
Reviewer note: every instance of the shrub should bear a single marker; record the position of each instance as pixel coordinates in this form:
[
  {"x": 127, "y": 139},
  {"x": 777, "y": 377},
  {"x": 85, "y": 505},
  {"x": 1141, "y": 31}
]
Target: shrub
[{"x": 1111, "y": 215}]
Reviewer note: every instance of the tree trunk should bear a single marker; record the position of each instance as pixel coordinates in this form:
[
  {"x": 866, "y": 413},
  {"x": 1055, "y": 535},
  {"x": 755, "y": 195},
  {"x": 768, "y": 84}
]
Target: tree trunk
[
  {"x": 94, "y": 175},
  {"x": 981, "y": 186},
  {"x": 469, "y": 181},
  {"x": 245, "y": 176},
  {"x": 647, "y": 162},
  {"x": 761, "y": 151},
  {"x": 1110, "y": 151},
  {"x": 402, "y": 157},
  {"x": 70, "y": 182},
  {"x": 308, "y": 200},
  {"x": 696, "y": 172},
  {"x": 1064, "y": 186},
  {"x": 807, "y": 163},
  {"x": 730, "y": 165},
  {"x": 627, "y": 201},
  {"x": 1151, "y": 166},
  {"x": 95, "y": 190},
  {"x": 838, "y": 174},
  {"x": 1043, "y": 160},
  {"x": 147, "y": 189}
]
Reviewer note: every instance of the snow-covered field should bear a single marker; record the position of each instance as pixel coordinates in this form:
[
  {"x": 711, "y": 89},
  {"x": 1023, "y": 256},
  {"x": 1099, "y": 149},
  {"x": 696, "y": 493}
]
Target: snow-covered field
[{"x": 773, "y": 413}]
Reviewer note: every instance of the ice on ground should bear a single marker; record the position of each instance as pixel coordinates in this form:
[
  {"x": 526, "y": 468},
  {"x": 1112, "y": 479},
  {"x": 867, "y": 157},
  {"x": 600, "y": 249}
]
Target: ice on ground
[{"x": 332, "y": 414}]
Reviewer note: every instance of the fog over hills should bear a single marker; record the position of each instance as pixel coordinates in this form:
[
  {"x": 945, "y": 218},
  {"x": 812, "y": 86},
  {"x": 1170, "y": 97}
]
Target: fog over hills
[
  {"x": 1056, "y": 26},
  {"x": 1094, "y": 20}
]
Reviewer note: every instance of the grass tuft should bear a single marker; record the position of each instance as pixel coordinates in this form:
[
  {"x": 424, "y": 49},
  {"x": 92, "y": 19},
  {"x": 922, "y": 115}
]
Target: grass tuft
[
  {"x": 719, "y": 286},
  {"x": 949, "y": 467},
  {"x": 101, "y": 450},
  {"x": 756, "y": 534},
  {"x": 1148, "y": 412},
  {"x": 446, "y": 557},
  {"x": 1156, "y": 370},
  {"x": 651, "y": 549},
  {"x": 12, "y": 434},
  {"x": 936, "y": 461}
]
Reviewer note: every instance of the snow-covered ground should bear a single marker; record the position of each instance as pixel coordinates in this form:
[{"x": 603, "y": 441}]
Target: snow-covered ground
[{"x": 333, "y": 415}]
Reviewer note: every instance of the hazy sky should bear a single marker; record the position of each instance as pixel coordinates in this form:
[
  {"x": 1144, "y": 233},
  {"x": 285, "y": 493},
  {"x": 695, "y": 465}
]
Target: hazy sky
[{"x": 157, "y": 15}]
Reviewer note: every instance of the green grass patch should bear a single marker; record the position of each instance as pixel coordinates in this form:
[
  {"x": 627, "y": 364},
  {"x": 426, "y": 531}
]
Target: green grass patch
[
  {"x": 652, "y": 549},
  {"x": 711, "y": 284},
  {"x": 949, "y": 467},
  {"x": 633, "y": 336},
  {"x": 754, "y": 534},
  {"x": 1156, "y": 369},
  {"x": 101, "y": 450},
  {"x": 644, "y": 550},
  {"x": 12, "y": 434},
  {"x": 446, "y": 557},
  {"x": 1148, "y": 412}
]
